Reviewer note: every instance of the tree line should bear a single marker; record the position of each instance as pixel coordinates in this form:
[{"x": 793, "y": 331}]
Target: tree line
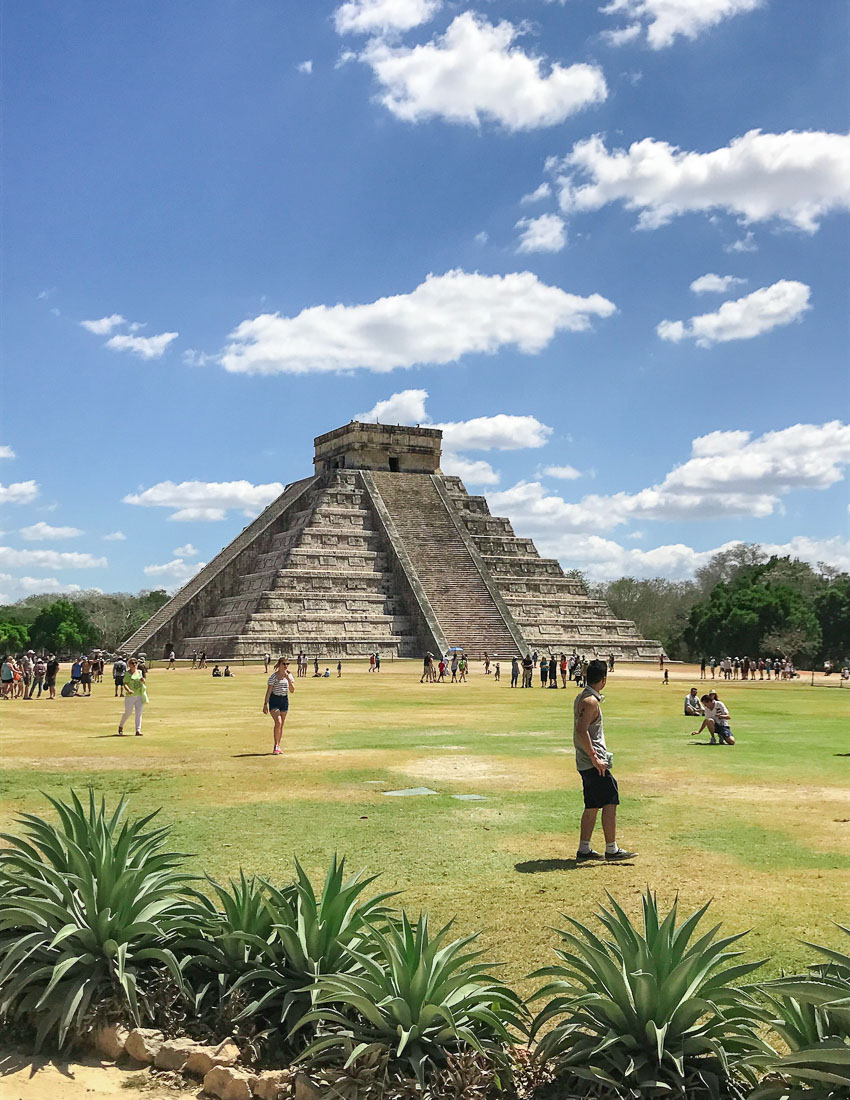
[
  {"x": 742, "y": 602},
  {"x": 75, "y": 623}
]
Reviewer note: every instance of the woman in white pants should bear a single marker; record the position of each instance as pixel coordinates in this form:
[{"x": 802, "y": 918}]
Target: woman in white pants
[{"x": 135, "y": 696}]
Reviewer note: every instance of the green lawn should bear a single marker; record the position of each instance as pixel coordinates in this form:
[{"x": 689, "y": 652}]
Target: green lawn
[{"x": 762, "y": 828}]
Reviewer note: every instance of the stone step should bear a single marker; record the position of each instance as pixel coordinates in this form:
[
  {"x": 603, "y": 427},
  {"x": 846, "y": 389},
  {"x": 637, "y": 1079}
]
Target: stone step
[{"x": 464, "y": 607}]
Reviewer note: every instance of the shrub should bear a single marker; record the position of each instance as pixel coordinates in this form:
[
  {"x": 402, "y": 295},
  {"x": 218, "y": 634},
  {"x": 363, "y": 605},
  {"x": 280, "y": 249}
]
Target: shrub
[
  {"x": 313, "y": 936},
  {"x": 811, "y": 1014},
  {"x": 649, "y": 1013},
  {"x": 91, "y": 908},
  {"x": 415, "y": 999}
]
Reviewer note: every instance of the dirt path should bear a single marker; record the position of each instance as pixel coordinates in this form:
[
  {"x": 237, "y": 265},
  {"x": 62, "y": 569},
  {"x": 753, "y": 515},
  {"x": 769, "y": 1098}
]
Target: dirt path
[{"x": 23, "y": 1077}]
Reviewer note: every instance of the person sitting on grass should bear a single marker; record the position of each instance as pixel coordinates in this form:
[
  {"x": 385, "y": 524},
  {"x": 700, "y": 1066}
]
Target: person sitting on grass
[
  {"x": 693, "y": 706},
  {"x": 216, "y": 671},
  {"x": 716, "y": 721},
  {"x": 227, "y": 671}
]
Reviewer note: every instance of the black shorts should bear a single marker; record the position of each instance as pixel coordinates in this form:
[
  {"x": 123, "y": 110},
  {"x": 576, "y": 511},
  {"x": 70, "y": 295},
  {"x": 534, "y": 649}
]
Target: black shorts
[
  {"x": 599, "y": 790},
  {"x": 279, "y": 702},
  {"x": 85, "y": 678}
]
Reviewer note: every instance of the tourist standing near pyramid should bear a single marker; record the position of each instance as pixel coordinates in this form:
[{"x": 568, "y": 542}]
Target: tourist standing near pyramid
[{"x": 278, "y": 689}]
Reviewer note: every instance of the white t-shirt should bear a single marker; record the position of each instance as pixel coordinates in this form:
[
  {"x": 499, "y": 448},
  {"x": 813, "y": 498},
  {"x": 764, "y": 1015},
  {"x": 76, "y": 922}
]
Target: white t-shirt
[
  {"x": 280, "y": 685},
  {"x": 693, "y": 701},
  {"x": 718, "y": 712}
]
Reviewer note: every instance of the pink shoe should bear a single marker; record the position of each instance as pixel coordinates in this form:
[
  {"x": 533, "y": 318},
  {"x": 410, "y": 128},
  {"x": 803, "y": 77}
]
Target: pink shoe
[{"x": 276, "y": 750}]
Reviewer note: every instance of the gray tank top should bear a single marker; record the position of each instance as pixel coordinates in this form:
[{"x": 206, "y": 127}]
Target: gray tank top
[{"x": 597, "y": 735}]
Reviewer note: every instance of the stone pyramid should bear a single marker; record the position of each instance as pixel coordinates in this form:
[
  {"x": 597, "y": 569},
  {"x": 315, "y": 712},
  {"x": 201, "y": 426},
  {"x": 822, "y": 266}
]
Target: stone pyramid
[{"x": 379, "y": 550}]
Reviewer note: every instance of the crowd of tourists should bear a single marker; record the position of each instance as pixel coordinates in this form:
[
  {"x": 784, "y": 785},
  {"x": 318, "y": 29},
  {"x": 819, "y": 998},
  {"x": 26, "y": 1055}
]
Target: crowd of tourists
[
  {"x": 747, "y": 668},
  {"x": 453, "y": 668},
  {"x": 33, "y": 675}
]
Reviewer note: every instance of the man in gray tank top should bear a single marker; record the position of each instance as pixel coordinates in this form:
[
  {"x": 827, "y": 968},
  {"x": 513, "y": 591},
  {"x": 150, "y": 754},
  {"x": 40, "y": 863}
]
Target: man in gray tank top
[{"x": 593, "y": 762}]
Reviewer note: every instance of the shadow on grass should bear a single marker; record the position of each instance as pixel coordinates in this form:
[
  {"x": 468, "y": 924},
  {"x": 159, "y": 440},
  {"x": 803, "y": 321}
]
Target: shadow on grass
[
  {"x": 543, "y": 866},
  {"x": 243, "y": 755}
]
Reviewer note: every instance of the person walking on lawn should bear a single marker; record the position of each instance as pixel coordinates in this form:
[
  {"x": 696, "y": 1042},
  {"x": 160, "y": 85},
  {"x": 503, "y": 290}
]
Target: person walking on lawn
[{"x": 593, "y": 762}]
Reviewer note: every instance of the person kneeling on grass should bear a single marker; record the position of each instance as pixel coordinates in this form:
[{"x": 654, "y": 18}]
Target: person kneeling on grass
[
  {"x": 593, "y": 762},
  {"x": 716, "y": 721}
]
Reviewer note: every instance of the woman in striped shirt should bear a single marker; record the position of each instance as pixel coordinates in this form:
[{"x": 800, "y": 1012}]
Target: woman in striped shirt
[{"x": 280, "y": 686}]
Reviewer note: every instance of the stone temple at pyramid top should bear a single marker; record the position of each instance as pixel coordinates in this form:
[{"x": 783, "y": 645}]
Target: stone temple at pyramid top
[
  {"x": 380, "y": 550},
  {"x": 394, "y": 448}
]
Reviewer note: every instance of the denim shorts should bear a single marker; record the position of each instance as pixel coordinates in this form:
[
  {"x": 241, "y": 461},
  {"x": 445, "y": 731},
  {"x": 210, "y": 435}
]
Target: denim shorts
[{"x": 279, "y": 702}]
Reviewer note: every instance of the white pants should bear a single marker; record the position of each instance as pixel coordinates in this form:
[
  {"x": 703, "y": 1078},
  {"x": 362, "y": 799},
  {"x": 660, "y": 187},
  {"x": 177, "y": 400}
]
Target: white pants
[{"x": 131, "y": 703}]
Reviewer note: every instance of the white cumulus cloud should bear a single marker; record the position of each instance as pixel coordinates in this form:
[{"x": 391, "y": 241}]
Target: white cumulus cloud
[
  {"x": 176, "y": 571},
  {"x": 115, "y": 536},
  {"x": 621, "y": 35},
  {"x": 445, "y": 317},
  {"x": 604, "y": 559},
  {"x": 407, "y": 407},
  {"x": 206, "y": 500},
  {"x": 305, "y": 67},
  {"x": 729, "y": 473},
  {"x": 538, "y": 194},
  {"x": 16, "y": 588},
  {"x": 48, "y": 559},
  {"x": 381, "y": 16},
  {"x": 6, "y": 452},
  {"x": 472, "y": 471},
  {"x": 502, "y": 432},
  {"x": 187, "y": 551},
  {"x": 794, "y": 177},
  {"x": 146, "y": 347},
  {"x": 744, "y": 318},
  {"x": 666, "y": 20},
  {"x": 563, "y": 473},
  {"x": 474, "y": 73},
  {"x": 715, "y": 284},
  {"x": 104, "y": 325},
  {"x": 39, "y": 532},
  {"x": 547, "y": 233},
  {"x": 19, "y": 492}
]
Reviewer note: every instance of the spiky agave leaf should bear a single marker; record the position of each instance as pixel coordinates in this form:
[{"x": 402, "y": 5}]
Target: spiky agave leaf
[
  {"x": 415, "y": 998},
  {"x": 94, "y": 902},
  {"x": 314, "y": 936},
  {"x": 651, "y": 1011}
]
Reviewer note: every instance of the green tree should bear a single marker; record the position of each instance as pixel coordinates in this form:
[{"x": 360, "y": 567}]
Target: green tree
[
  {"x": 14, "y": 637},
  {"x": 63, "y": 626},
  {"x": 659, "y": 607},
  {"x": 766, "y": 608},
  {"x": 832, "y": 606}
]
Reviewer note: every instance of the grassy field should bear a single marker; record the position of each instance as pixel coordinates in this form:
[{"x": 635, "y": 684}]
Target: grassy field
[{"x": 762, "y": 828}]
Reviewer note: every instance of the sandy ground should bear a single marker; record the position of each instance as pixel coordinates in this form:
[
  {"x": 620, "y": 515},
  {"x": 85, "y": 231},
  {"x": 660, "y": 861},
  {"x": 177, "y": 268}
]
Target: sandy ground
[{"x": 23, "y": 1077}]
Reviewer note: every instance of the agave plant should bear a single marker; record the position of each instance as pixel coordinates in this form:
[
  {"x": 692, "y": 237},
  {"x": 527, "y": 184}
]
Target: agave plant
[
  {"x": 312, "y": 936},
  {"x": 811, "y": 1013},
  {"x": 415, "y": 998},
  {"x": 92, "y": 904},
  {"x": 649, "y": 1013},
  {"x": 237, "y": 934}
]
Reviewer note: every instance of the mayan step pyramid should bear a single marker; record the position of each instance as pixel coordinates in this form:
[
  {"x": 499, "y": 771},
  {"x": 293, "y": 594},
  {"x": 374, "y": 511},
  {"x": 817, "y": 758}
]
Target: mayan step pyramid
[{"x": 379, "y": 550}]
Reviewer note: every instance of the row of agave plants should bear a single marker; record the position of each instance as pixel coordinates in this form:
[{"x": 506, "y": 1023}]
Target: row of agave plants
[{"x": 100, "y": 922}]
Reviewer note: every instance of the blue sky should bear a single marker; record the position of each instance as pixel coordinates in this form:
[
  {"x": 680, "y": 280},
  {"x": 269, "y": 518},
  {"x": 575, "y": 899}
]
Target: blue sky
[{"x": 231, "y": 227}]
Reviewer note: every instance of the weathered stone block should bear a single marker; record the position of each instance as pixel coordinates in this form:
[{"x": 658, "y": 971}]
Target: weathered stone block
[
  {"x": 143, "y": 1044},
  {"x": 174, "y": 1053},
  {"x": 229, "y": 1084},
  {"x": 111, "y": 1040},
  {"x": 275, "y": 1084}
]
